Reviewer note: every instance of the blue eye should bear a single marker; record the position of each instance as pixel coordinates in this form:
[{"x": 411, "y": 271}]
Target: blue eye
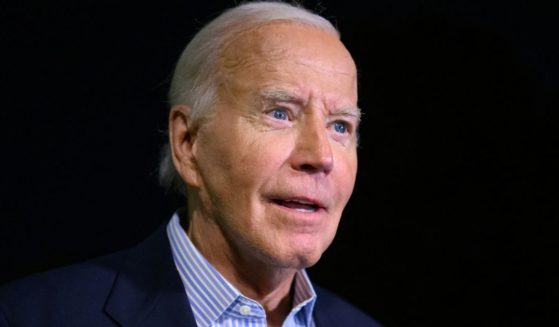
[
  {"x": 340, "y": 127},
  {"x": 280, "y": 113}
]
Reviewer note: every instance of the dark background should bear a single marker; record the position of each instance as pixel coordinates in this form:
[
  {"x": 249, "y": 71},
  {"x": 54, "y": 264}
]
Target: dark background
[{"x": 454, "y": 218}]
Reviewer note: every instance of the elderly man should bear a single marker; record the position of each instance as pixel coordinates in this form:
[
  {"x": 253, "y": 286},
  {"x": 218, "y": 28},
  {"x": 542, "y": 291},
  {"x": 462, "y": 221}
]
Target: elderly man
[{"x": 262, "y": 143}]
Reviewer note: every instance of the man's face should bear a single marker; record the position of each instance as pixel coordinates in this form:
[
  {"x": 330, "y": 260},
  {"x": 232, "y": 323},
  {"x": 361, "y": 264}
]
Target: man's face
[{"x": 277, "y": 162}]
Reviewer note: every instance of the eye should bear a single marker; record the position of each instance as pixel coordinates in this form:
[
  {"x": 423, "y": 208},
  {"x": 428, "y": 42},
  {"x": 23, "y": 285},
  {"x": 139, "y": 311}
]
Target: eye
[
  {"x": 340, "y": 127},
  {"x": 279, "y": 113}
]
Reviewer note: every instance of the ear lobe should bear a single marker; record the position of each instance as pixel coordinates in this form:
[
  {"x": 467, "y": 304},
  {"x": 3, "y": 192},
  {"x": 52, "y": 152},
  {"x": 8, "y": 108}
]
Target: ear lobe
[{"x": 181, "y": 140}]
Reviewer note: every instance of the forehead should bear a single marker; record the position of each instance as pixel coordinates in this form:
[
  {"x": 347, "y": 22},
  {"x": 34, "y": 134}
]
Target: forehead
[
  {"x": 287, "y": 52},
  {"x": 282, "y": 39},
  {"x": 275, "y": 39}
]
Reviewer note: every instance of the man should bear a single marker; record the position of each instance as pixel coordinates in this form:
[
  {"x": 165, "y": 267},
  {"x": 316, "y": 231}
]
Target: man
[{"x": 262, "y": 142}]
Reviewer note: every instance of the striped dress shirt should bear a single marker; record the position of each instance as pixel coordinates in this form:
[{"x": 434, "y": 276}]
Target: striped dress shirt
[{"x": 215, "y": 302}]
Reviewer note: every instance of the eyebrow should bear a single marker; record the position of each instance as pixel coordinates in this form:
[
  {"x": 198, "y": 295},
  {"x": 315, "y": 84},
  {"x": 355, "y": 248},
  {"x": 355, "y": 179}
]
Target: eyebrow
[
  {"x": 279, "y": 95},
  {"x": 352, "y": 112}
]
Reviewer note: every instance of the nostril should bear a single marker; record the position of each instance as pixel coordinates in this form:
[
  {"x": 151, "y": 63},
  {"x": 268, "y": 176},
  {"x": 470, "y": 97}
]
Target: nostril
[
  {"x": 311, "y": 163},
  {"x": 308, "y": 167}
]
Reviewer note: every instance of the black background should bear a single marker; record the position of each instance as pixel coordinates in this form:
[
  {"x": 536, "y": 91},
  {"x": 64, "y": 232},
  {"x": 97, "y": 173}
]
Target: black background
[{"x": 454, "y": 218}]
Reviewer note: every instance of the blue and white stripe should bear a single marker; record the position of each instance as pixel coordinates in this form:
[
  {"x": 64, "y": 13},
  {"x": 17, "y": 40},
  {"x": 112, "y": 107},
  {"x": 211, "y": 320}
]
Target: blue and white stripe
[{"x": 216, "y": 303}]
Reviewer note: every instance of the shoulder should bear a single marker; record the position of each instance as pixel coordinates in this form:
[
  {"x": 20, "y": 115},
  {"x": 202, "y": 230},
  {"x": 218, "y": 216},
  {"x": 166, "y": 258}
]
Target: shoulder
[
  {"x": 79, "y": 295},
  {"x": 332, "y": 310},
  {"x": 66, "y": 279},
  {"x": 79, "y": 288}
]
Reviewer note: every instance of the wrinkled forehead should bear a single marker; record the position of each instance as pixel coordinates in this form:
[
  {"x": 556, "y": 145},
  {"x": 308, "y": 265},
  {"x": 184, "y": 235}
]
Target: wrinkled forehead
[{"x": 288, "y": 41}]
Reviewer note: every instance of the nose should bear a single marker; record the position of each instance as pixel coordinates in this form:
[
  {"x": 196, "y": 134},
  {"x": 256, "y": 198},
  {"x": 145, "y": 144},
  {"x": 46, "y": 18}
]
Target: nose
[{"x": 313, "y": 151}]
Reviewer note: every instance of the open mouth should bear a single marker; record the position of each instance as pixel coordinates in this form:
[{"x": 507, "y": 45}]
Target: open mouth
[{"x": 299, "y": 205}]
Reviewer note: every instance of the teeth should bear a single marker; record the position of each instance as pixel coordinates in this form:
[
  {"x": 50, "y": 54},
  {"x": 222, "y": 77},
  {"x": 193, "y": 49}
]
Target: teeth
[
  {"x": 301, "y": 206},
  {"x": 302, "y": 202},
  {"x": 305, "y": 203}
]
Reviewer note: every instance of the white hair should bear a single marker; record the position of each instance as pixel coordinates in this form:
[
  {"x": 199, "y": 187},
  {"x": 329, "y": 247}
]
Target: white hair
[{"x": 194, "y": 81}]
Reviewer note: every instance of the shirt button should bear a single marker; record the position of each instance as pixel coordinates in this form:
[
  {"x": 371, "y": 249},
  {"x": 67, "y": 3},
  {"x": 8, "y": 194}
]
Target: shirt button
[{"x": 244, "y": 309}]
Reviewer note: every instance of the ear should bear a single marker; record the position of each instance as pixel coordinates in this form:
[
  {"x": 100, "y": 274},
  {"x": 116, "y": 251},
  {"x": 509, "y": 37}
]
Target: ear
[{"x": 181, "y": 140}]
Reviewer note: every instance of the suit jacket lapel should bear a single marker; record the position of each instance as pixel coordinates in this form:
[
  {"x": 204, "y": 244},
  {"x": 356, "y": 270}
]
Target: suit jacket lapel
[
  {"x": 148, "y": 290},
  {"x": 326, "y": 311}
]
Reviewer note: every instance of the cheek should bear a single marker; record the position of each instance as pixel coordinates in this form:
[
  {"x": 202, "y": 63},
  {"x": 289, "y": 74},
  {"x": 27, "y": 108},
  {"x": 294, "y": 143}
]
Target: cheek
[
  {"x": 261, "y": 157},
  {"x": 234, "y": 166},
  {"x": 347, "y": 172}
]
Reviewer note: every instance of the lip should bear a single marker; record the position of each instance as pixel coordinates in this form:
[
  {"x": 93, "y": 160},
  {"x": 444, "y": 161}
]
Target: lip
[{"x": 313, "y": 205}]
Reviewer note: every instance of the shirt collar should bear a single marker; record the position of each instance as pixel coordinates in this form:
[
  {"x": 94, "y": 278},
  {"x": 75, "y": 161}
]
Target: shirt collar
[{"x": 211, "y": 295}]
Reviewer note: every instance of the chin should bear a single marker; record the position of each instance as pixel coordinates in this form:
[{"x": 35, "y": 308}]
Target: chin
[
  {"x": 298, "y": 258},
  {"x": 306, "y": 262}
]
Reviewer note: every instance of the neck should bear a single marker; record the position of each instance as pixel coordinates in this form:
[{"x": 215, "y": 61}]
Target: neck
[{"x": 270, "y": 286}]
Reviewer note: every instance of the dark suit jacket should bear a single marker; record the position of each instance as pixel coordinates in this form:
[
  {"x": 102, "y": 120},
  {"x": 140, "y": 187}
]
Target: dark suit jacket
[{"x": 135, "y": 287}]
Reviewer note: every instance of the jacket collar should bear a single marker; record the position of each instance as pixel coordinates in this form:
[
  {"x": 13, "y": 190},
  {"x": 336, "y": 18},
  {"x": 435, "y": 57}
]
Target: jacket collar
[{"x": 147, "y": 290}]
